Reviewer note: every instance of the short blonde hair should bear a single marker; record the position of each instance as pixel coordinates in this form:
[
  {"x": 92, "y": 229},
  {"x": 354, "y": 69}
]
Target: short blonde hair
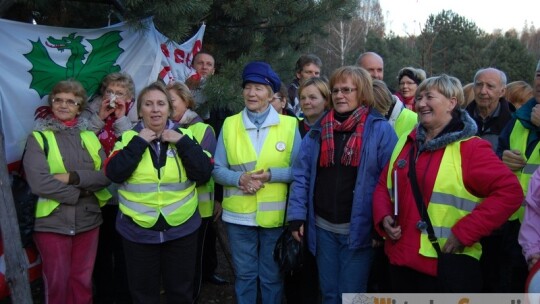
[
  {"x": 468, "y": 93},
  {"x": 448, "y": 86},
  {"x": 518, "y": 93},
  {"x": 360, "y": 79},
  {"x": 383, "y": 97},
  {"x": 183, "y": 91},
  {"x": 321, "y": 85},
  {"x": 154, "y": 86}
]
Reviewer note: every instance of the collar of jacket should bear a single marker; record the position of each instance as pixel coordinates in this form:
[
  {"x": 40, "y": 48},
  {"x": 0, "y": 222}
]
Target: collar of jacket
[
  {"x": 52, "y": 124},
  {"x": 448, "y": 136}
]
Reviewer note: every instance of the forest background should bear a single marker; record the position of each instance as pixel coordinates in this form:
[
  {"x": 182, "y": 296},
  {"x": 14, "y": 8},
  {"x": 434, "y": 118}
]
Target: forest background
[{"x": 279, "y": 31}]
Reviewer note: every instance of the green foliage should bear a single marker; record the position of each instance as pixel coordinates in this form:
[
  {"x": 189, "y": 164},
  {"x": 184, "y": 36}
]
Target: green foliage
[
  {"x": 510, "y": 56},
  {"x": 276, "y": 31},
  {"x": 279, "y": 31},
  {"x": 448, "y": 44},
  {"x": 176, "y": 20}
]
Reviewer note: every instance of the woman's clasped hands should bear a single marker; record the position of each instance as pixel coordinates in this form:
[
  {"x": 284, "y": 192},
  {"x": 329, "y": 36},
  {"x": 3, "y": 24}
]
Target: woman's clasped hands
[{"x": 250, "y": 183}]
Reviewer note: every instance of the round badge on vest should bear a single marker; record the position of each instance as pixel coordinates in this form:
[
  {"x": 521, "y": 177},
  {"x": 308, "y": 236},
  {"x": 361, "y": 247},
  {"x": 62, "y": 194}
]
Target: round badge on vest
[
  {"x": 171, "y": 152},
  {"x": 280, "y": 146}
]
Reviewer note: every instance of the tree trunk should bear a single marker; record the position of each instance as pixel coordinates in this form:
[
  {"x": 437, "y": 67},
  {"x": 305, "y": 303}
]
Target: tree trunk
[{"x": 14, "y": 254}]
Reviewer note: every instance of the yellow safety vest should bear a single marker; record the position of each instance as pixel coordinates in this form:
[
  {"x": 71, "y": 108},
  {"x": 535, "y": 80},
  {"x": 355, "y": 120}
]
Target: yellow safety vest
[
  {"x": 518, "y": 141},
  {"x": 405, "y": 122},
  {"x": 146, "y": 193},
  {"x": 449, "y": 202},
  {"x": 268, "y": 202},
  {"x": 45, "y": 206},
  {"x": 205, "y": 192}
]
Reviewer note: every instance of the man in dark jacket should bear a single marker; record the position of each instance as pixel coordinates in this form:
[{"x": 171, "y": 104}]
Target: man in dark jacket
[
  {"x": 489, "y": 109},
  {"x": 503, "y": 267}
]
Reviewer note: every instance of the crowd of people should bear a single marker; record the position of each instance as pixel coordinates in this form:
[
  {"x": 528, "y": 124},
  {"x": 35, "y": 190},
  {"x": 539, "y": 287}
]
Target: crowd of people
[{"x": 422, "y": 189}]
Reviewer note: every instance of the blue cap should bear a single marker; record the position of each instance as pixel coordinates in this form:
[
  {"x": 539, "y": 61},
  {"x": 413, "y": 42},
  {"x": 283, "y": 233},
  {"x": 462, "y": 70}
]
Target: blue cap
[{"x": 261, "y": 72}]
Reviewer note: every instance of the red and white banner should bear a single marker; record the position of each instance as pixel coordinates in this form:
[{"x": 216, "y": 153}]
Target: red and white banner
[{"x": 33, "y": 58}]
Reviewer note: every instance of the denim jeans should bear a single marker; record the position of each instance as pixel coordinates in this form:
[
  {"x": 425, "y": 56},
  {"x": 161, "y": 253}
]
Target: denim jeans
[
  {"x": 341, "y": 270},
  {"x": 251, "y": 249}
]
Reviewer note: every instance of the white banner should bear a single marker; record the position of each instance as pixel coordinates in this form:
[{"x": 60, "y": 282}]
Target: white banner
[
  {"x": 33, "y": 58},
  {"x": 440, "y": 298}
]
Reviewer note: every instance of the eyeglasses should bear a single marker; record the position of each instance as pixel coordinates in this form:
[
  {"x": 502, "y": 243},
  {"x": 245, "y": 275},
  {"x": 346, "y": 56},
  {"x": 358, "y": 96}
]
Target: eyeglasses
[
  {"x": 69, "y": 102},
  {"x": 117, "y": 93},
  {"x": 344, "y": 91},
  {"x": 402, "y": 84}
]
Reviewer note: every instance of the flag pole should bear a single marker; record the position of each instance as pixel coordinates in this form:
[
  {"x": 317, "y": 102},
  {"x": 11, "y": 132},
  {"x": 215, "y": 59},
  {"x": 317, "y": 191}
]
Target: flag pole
[{"x": 16, "y": 262}]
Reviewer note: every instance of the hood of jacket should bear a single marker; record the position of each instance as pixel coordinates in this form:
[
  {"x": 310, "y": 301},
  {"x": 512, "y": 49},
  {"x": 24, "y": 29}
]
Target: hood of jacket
[
  {"x": 52, "y": 124},
  {"x": 461, "y": 126}
]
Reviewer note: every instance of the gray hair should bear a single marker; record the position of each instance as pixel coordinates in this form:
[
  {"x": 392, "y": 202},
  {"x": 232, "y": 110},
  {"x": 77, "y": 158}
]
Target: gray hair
[{"x": 502, "y": 75}]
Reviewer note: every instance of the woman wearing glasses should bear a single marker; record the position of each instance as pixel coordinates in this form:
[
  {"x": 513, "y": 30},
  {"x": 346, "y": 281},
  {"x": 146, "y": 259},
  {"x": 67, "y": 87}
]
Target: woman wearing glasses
[
  {"x": 333, "y": 181},
  {"x": 408, "y": 80},
  {"x": 63, "y": 166},
  {"x": 107, "y": 115}
]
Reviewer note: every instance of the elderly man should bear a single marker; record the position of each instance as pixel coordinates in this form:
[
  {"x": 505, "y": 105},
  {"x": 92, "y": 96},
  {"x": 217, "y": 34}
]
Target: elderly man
[
  {"x": 373, "y": 63},
  {"x": 518, "y": 148},
  {"x": 489, "y": 109}
]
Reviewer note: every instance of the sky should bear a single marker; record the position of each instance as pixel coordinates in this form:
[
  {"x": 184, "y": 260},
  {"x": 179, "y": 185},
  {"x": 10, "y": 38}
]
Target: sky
[{"x": 407, "y": 17}]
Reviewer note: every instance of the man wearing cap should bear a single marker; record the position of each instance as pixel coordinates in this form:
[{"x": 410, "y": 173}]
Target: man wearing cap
[
  {"x": 518, "y": 148},
  {"x": 253, "y": 159}
]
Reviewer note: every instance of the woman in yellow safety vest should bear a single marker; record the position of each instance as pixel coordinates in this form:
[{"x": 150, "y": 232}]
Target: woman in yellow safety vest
[
  {"x": 184, "y": 114},
  {"x": 255, "y": 151},
  {"x": 158, "y": 166},
  {"x": 63, "y": 164},
  {"x": 442, "y": 191}
]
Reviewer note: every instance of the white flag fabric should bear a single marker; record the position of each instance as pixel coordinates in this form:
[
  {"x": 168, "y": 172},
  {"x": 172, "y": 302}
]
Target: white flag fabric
[{"x": 33, "y": 58}]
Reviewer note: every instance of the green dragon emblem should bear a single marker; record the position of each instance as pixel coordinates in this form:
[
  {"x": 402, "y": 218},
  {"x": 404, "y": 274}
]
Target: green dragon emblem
[{"x": 100, "y": 62}]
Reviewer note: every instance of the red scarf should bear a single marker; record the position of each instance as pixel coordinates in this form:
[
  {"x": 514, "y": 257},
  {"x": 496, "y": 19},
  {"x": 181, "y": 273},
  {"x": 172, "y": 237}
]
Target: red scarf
[
  {"x": 106, "y": 134},
  {"x": 407, "y": 101},
  {"x": 67, "y": 123},
  {"x": 351, "y": 152}
]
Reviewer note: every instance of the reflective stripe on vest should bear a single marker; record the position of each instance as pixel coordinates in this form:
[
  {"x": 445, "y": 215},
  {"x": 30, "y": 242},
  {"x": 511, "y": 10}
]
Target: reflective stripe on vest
[
  {"x": 146, "y": 193},
  {"x": 205, "y": 192},
  {"x": 45, "y": 206},
  {"x": 449, "y": 202},
  {"x": 269, "y": 202},
  {"x": 518, "y": 141}
]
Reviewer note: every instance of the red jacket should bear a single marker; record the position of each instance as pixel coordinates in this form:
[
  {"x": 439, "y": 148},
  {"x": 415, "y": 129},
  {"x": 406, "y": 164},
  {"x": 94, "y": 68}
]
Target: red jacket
[{"x": 484, "y": 175}]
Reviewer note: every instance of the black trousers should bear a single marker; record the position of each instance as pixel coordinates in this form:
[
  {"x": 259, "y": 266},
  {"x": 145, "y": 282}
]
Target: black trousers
[
  {"x": 504, "y": 268},
  {"x": 206, "y": 254},
  {"x": 170, "y": 264},
  {"x": 463, "y": 275},
  {"x": 302, "y": 286},
  {"x": 110, "y": 278}
]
